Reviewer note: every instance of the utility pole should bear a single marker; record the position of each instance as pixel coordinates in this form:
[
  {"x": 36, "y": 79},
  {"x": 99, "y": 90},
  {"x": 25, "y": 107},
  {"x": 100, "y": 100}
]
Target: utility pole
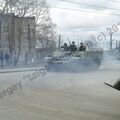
[
  {"x": 111, "y": 39},
  {"x": 116, "y": 43},
  {"x": 59, "y": 44},
  {"x": 107, "y": 46}
]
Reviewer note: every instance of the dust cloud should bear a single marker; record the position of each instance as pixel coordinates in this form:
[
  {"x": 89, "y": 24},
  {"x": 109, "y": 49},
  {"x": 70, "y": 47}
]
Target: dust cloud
[{"x": 64, "y": 96}]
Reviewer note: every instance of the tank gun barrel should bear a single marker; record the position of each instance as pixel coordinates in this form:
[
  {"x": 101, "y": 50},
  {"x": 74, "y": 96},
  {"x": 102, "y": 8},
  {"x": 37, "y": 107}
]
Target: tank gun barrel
[{"x": 69, "y": 41}]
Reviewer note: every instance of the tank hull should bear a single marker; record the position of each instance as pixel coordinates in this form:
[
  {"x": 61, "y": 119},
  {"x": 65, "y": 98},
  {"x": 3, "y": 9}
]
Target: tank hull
[
  {"x": 75, "y": 61},
  {"x": 74, "y": 65}
]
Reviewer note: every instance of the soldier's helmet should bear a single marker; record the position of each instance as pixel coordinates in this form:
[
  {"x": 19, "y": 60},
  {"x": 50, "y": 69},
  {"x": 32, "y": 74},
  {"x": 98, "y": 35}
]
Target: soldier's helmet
[
  {"x": 81, "y": 43},
  {"x": 65, "y": 44},
  {"x": 73, "y": 42}
]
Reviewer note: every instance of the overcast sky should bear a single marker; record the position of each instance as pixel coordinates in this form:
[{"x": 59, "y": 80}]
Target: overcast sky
[{"x": 89, "y": 20}]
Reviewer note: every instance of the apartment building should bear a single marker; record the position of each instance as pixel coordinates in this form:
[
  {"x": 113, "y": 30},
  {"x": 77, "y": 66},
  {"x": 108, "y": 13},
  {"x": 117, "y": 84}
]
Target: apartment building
[{"x": 17, "y": 35}]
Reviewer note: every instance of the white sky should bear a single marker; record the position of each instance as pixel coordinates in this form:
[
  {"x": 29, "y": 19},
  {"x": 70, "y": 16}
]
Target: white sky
[{"x": 85, "y": 23}]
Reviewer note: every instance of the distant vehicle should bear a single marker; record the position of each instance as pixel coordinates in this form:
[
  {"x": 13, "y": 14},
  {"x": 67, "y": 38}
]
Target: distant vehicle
[{"x": 117, "y": 53}]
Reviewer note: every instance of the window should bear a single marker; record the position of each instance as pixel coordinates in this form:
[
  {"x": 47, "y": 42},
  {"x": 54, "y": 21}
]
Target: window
[{"x": 6, "y": 29}]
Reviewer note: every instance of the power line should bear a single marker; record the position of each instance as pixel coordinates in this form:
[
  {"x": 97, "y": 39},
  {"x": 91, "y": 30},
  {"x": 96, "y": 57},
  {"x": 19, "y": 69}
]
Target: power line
[
  {"x": 114, "y": 1},
  {"x": 86, "y": 4},
  {"x": 84, "y": 11}
]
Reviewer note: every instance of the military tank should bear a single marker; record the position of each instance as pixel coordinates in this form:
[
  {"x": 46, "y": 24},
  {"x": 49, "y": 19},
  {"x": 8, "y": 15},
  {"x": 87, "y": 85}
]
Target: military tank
[{"x": 75, "y": 61}]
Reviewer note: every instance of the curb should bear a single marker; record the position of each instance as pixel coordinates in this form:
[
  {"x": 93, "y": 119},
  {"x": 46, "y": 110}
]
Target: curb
[{"x": 21, "y": 70}]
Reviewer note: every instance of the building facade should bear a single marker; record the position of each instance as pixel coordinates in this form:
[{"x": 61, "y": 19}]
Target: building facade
[{"x": 17, "y": 35}]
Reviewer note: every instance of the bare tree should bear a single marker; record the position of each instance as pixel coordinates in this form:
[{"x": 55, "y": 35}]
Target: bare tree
[{"x": 46, "y": 35}]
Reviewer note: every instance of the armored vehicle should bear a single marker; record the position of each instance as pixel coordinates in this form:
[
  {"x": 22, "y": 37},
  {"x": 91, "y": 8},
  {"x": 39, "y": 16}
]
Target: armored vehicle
[{"x": 74, "y": 61}]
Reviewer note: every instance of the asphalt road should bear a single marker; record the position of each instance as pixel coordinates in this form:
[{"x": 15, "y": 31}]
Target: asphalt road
[{"x": 62, "y": 96}]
